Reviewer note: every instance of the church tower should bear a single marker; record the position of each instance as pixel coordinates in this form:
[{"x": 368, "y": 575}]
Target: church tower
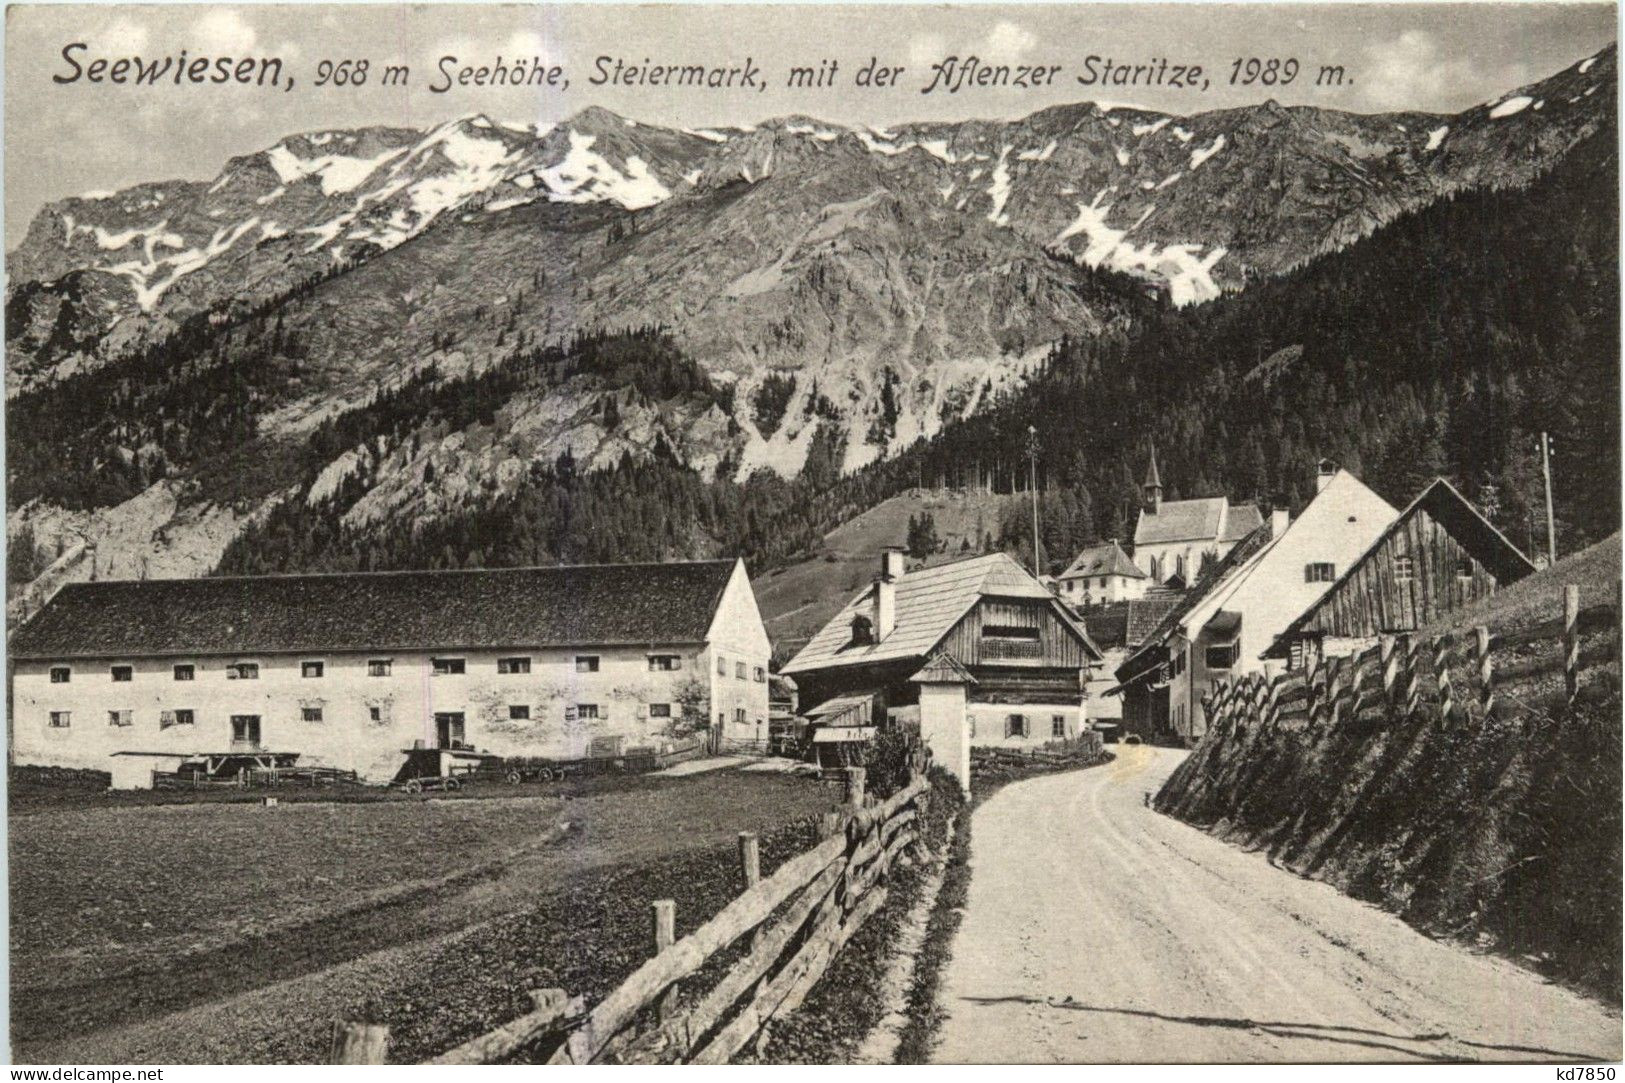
[{"x": 1151, "y": 489}]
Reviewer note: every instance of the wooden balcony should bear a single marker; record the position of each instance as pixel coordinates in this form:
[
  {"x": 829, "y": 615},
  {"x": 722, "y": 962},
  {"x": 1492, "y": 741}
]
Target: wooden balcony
[{"x": 1012, "y": 651}]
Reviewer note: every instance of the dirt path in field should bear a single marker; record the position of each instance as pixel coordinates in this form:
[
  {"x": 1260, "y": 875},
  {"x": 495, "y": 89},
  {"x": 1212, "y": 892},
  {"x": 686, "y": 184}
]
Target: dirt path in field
[{"x": 1100, "y": 931}]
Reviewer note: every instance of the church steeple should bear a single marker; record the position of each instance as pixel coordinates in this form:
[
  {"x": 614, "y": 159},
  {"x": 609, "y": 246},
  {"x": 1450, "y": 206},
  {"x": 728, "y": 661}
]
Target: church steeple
[{"x": 1151, "y": 489}]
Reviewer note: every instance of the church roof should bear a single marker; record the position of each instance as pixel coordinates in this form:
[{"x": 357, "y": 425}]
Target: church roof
[
  {"x": 1181, "y": 520},
  {"x": 1152, "y": 478}
]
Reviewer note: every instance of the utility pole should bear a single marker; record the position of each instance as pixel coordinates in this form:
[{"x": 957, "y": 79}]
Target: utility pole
[
  {"x": 1546, "y": 471},
  {"x": 1032, "y": 485}
]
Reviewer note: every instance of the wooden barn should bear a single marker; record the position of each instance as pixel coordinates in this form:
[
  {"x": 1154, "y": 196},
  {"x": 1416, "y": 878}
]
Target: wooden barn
[
  {"x": 1439, "y": 556},
  {"x": 1027, "y": 656}
]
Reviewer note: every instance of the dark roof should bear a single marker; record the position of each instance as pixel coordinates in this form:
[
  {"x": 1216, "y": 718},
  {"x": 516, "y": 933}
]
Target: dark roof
[
  {"x": 1460, "y": 519},
  {"x": 1144, "y": 614},
  {"x": 1108, "y": 559},
  {"x": 577, "y": 605},
  {"x": 1216, "y": 574},
  {"x": 1108, "y": 625}
]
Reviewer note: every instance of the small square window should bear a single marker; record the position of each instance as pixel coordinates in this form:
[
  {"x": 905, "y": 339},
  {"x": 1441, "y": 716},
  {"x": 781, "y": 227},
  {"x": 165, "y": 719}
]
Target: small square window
[
  {"x": 375, "y": 714},
  {"x": 1016, "y": 726},
  {"x": 185, "y": 671},
  {"x": 379, "y": 667},
  {"x": 1320, "y": 572},
  {"x": 519, "y": 712},
  {"x": 665, "y": 663},
  {"x": 312, "y": 669},
  {"x": 1464, "y": 568},
  {"x": 61, "y": 720},
  {"x": 123, "y": 673},
  {"x": 61, "y": 674},
  {"x": 722, "y": 666},
  {"x": 586, "y": 663},
  {"x": 739, "y": 670},
  {"x": 758, "y": 674},
  {"x": 1404, "y": 569},
  {"x": 448, "y": 667},
  {"x": 739, "y": 715},
  {"x": 310, "y": 714},
  {"x": 185, "y": 717},
  {"x": 1057, "y": 725},
  {"x": 121, "y": 718},
  {"x": 659, "y": 710},
  {"x": 513, "y": 665},
  {"x": 586, "y": 710},
  {"x": 243, "y": 671}
]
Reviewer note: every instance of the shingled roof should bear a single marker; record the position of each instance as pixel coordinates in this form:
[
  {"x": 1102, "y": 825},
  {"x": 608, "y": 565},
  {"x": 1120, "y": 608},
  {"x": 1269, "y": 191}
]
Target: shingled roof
[
  {"x": 574, "y": 605},
  {"x": 1108, "y": 559},
  {"x": 1205, "y": 518},
  {"x": 929, "y": 602}
]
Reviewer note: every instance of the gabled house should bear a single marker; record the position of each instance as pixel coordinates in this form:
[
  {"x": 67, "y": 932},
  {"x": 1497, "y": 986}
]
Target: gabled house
[
  {"x": 1438, "y": 556},
  {"x": 1222, "y": 625},
  {"x": 1175, "y": 538},
  {"x": 1101, "y": 575},
  {"x": 1026, "y": 655},
  {"x": 348, "y": 670}
]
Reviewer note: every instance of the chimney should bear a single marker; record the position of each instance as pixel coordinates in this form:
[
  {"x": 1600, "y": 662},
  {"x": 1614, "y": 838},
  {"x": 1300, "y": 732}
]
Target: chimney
[
  {"x": 1279, "y": 518},
  {"x": 885, "y": 609},
  {"x": 1325, "y": 470}
]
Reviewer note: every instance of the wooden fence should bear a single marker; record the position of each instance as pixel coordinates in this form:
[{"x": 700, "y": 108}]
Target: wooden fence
[
  {"x": 1454, "y": 675},
  {"x": 791, "y": 925}
]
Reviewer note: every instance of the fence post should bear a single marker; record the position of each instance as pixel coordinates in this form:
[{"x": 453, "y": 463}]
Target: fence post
[
  {"x": 750, "y": 864},
  {"x": 358, "y": 1043},
  {"x": 828, "y": 824},
  {"x": 854, "y": 788},
  {"x": 665, "y": 930},
  {"x": 1486, "y": 673},
  {"x": 1571, "y": 642},
  {"x": 1390, "y": 669},
  {"x": 1441, "y": 674}
]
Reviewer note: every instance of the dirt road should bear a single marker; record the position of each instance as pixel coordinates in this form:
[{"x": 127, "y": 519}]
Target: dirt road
[{"x": 1097, "y": 930}]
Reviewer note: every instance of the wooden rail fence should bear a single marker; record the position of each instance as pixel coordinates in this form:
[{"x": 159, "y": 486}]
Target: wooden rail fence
[
  {"x": 1404, "y": 675},
  {"x": 791, "y": 925}
]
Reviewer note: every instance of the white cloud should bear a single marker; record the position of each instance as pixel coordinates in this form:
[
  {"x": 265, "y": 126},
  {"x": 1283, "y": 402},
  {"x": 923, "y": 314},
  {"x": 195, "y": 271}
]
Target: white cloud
[
  {"x": 224, "y": 31},
  {"x": 1411, "y": 71},
  {"x": 1008, "y": 41}
]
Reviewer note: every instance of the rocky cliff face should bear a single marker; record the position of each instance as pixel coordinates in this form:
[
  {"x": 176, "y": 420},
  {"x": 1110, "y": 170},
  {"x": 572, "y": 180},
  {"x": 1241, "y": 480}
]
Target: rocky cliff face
[{"x": 850, "y": 285}]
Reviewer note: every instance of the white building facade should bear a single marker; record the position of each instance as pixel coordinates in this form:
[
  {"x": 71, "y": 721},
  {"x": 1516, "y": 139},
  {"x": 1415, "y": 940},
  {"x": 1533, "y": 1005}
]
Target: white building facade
[{"x": 217, "y": 666}]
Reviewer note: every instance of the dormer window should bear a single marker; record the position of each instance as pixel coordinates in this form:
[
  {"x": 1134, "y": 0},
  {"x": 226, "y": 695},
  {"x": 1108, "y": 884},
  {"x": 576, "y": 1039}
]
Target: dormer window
[{"x": 863, "y": 631}]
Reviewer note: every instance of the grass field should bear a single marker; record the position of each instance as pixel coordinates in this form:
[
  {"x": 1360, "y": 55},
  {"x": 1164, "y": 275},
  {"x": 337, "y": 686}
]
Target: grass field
[
  {"x": 1539, "y": 598},
  {"x": 122, "y": 916}
]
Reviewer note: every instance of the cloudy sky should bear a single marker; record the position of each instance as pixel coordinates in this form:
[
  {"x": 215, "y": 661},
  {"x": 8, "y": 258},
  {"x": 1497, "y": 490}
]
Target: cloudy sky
[{"x": 61, "y": 140}]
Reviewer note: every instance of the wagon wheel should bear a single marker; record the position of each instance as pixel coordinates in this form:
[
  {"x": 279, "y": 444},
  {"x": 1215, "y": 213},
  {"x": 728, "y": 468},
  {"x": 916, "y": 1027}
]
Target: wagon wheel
[
  {"x": 514, "y": 777},
  {"x": 413, "y": 786},
  {"x": 454, "y": 784},
  {"x": 545, "y": 774}
]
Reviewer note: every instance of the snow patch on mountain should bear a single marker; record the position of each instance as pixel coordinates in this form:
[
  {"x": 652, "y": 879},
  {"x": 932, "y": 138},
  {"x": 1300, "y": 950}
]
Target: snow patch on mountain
[
  {"x": 1039, "y": 155},
  {"x": 1436, "y": 136},
  {"x": 148, "y": 279},
  {"x": 338, "y": 173},
  {"x": 1152, "y": 127},
  {"x": 1512, "y": 106},
  {"x": 1202, "y": 154},
  {"x": 1189, "y": 275},
  {"x": 999, "y": 192}
]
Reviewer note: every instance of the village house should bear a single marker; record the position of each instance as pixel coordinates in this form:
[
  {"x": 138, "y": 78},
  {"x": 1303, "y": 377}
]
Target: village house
[
  {"x": 1438, "y": 556},
  {"x": 348, "y": 670},
  {"x": 1221, "y": 627},
  {"x": 1101, "y": 575},
  {"x": 1024, "y": 658},
  {"x": 1174, "y": 538}
]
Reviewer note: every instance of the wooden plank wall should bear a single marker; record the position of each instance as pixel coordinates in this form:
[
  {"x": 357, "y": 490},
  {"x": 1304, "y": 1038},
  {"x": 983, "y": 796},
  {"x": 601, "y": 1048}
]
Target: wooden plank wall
[
  {"x": 1060, "y": 646},
  {"x": 1373, "y": 601}
]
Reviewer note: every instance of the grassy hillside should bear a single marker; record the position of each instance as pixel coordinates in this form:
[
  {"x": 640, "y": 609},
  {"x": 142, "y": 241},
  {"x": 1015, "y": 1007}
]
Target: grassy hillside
[
  {"x": 1539, "y": 598},
  {"x": 798, "y": 598}
]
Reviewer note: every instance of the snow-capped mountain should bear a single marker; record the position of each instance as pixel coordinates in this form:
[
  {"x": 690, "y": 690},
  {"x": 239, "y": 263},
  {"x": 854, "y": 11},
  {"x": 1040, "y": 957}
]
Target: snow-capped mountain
[{"x": 870, "y": 283}]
